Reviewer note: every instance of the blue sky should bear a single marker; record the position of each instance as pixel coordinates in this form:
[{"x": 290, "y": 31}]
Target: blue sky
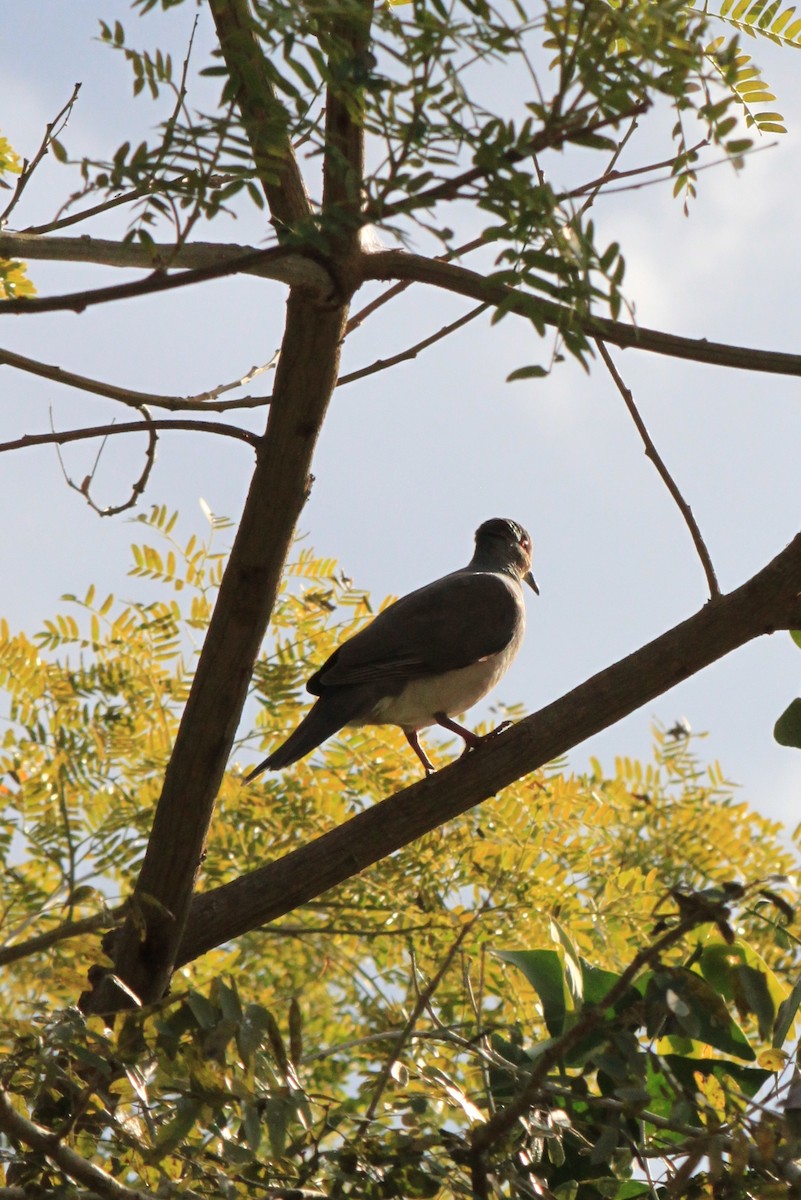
[{"x": 412, "y": 460}]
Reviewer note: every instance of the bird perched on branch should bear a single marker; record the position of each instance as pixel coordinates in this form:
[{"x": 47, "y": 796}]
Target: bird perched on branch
[{"x": 430, "y": 655}]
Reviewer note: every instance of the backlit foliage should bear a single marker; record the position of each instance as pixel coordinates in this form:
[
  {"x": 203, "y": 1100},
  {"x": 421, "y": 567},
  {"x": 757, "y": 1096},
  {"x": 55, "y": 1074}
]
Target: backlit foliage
[
  {"x": 439, "y": 128},
  {"x": 358, "y": 1045}
]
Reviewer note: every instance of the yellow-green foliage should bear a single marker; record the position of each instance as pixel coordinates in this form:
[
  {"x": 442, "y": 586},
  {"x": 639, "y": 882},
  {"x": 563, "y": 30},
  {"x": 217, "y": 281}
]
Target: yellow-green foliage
[
  {"x": 265, "y": 1060},
  {"x": 14, "y": 281}
]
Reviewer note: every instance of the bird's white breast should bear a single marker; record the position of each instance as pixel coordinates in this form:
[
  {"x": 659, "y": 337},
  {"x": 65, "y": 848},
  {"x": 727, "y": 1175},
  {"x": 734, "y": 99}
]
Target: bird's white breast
[{"x": 451, "y": 693}]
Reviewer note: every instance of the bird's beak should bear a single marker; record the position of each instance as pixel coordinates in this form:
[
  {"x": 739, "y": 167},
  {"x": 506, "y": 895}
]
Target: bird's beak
[{"x": 531, "y": 581}]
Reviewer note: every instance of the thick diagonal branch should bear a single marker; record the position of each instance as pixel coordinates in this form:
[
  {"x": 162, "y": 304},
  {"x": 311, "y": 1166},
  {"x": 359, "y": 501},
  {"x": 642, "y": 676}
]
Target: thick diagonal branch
[
  {"x": 305, "y": 378},
  {"x": 770, "y": 600}
]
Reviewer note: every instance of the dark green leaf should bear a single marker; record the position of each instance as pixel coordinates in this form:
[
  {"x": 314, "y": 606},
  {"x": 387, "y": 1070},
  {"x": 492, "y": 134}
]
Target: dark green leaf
[
  {"x": 787, "y": 730},
  {"x": 533, "y": 372}
]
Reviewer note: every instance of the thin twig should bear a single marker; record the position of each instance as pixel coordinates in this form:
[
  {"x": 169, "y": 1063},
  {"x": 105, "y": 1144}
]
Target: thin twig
[
  {"x": 611, "y": 175},
  {"x": 76, "y": 435},
  {"x": 139, "y": 484},
  {"x": 549, "y": 137},
  {"x": 655, "y": 457},
  {"x": 28, "y": 169},
  {"x": 104, "y": 206},
  {"x": 610, "y": 169},
  {"x": 202, "y": 402},
  {"x": 381, "y": 364},
  {"x": 420, "y": 1004}
]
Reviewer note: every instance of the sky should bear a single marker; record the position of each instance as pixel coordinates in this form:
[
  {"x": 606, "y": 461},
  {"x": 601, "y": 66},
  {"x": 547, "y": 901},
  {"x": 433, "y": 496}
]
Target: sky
[{"x": 411, "y": 460}]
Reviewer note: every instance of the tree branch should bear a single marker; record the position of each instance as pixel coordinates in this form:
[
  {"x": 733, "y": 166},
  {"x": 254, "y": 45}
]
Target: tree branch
[
  {"x": 381, "y": 364},
  {"x": 553, "y": 135},
  {"x": 265, "y": 120},
  {"x": 62, "y": 933},
  {"x": 305, "y": 377},
  {"x": 61, "y": 438},
  {"x": 203, "y": 402},
  {"x": 770, "y": 600},
  {"x": 668, "y": 480},
  {"x": 159, "y": 281},
  {"x": 388, "y": 265},
  {"x": 278, "y": 263},
  {"x": 50, "y": 132},
  {"x": 347, "y": 38},
  {"x": 43, "y": 1141}
]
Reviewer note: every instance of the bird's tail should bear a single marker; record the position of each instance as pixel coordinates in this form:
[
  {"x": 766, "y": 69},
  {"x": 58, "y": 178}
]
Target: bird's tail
[{"x": 325, "y": 717}]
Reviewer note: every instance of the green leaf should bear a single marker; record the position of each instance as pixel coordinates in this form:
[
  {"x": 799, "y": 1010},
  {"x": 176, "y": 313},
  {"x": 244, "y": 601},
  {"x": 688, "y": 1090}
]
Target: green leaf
[
  {"x": 572, "y": 963},
  {"x": 754, "y": 993},
  {"x": 682, "y": 1001},
  {"x": 533, "y": 372},
  {"x": 543, "y": 969},
  {"x": 787, "y": 730},
  {"x": 785, "y": 1017}
]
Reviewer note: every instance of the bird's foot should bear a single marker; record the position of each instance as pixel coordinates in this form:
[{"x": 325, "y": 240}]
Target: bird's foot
[{"x": 478, "y": 739}]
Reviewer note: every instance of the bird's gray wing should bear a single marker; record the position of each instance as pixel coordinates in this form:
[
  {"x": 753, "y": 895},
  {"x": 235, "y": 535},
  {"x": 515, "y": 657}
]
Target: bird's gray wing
[{"x": 451, "y": 623}]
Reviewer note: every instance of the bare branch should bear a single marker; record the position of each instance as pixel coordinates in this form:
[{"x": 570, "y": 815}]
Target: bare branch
[
  {"x": 399, "y": 265},
  {"x": 381, "y": 364},
  {"x": 398, "y": 288},
  {"x": 138, "y": 486},
  {"x": 57, "y": 438},
  {"x": 278, "y": 263},
  {"x": 202, "y": 402},
  {"x": 51, "y": 130},
  {"x": 159, "y": 281},
  {"x": 770, "y": 600},
  {"x": 62, "y": 933},
  {"x": 655, "y": 457}
]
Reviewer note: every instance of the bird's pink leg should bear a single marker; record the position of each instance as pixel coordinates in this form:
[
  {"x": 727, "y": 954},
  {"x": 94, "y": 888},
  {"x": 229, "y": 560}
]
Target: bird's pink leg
[
  {"x": 470, "y": 739},
  {"x": 411, "y": 738}
]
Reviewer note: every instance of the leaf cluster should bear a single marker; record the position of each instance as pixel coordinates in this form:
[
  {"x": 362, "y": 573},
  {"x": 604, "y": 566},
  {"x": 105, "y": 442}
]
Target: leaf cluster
[{"x": 438, "y": 129}]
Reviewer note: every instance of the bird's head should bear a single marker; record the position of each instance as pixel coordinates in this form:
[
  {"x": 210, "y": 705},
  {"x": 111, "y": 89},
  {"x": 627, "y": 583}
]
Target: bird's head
[{"x": 505, "y": 545}]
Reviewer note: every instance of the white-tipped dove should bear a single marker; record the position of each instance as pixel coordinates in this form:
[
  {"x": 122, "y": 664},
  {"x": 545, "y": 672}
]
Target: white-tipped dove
[{"x": 430, "y": 655}]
